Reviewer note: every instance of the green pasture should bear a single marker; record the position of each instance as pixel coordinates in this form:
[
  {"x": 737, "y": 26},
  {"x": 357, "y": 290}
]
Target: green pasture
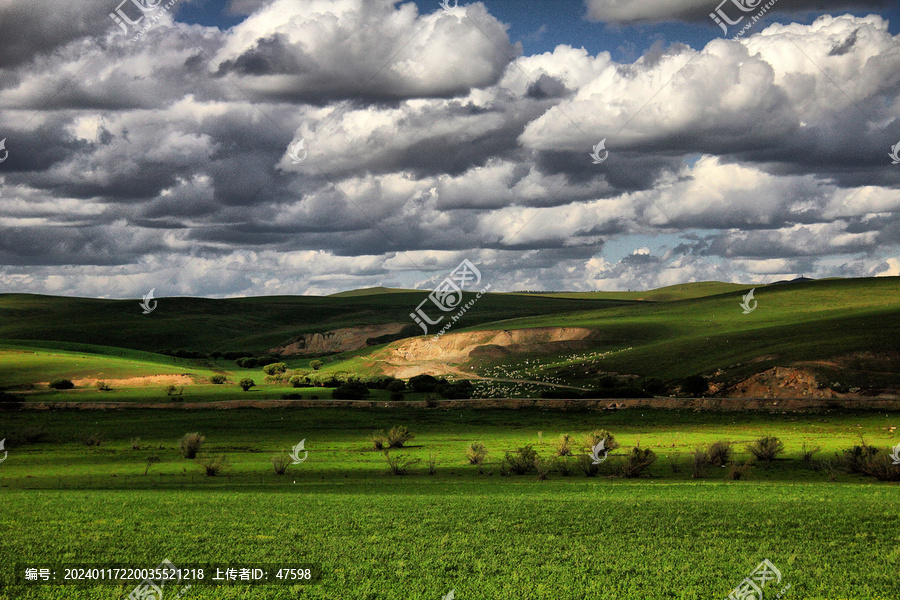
[
  {"x": 380, "y": 536},
  {"x": 338, "y": 440}
]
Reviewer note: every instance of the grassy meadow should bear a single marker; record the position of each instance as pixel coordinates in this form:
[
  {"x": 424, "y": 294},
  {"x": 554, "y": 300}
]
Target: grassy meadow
[
  {"x": 82, "y": 486},
  {"x": 464, "y": 527}
]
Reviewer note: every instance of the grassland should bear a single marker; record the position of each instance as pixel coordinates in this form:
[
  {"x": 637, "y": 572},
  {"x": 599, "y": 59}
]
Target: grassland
[
  {"x": 665, "y": 536},
  {"x": 377, "y": 535},
  {"x": 239, "y": 324}
]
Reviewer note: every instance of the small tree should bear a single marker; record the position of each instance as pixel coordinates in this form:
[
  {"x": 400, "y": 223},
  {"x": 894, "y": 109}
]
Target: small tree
[
  {"x": 190, "y": 444},
  {"x": 719, "y": 453},
  {"x": 400, "y": 464},
  {"x": 275, "y": 368},
  {"x": 424, "y": 383},
  {"x": 281, "y": 462},
  {"x": 637, "y": 461},
  {"x": 766, "y": 448},
  {"x": 246, "y": 383},
  {"x": 298, "y": 380},
  {"x": 695, "y": 385},
  {"x": 214, "y": 466},
  {"x": 521, "y": 461},
  {"x": 564, "y": 446},
  {"x": 316, "y": 365},
  {"x": 396, "y": 387},
  {"x": 476, "y": 453},
  {"x": 398, "y": 436},
  {"x": 150, "y": 461},
  {"x": 594, "y": 437}
]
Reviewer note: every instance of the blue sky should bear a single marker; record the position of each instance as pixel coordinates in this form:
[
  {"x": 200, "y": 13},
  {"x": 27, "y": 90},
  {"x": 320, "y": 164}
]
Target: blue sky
[{"x": 542, "y": 24}]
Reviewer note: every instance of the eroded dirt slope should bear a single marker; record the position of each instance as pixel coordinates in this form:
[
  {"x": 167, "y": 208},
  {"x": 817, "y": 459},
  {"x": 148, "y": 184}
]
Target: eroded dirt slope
[
  {"x": 443, "y": 356},
  {"x": 337, "y": 340}
]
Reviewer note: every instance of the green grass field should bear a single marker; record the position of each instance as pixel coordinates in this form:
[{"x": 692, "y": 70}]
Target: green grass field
[
  {"x": 377, "y": 535},
  {"x": 666, "y": 535}
]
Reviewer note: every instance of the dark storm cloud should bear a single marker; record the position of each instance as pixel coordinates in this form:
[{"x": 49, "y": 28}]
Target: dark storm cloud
[
  {"x": 426, "y": 145},
  {"x": 32, "y": 29}
]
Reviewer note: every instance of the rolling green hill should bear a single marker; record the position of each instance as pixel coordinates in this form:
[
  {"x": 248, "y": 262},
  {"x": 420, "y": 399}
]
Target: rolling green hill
[
  {"x": 845, "y": 328},
  {"x": 842, "y": 321},
  {"x": 682, "y": 291},
  {"x": 240, "y": 324}
]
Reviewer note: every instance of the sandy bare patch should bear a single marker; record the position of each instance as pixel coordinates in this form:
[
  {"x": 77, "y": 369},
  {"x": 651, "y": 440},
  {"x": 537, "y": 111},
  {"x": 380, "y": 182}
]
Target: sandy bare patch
[
  {"x": 415, "y": 356},
  {"x": 780, "y": 382}
]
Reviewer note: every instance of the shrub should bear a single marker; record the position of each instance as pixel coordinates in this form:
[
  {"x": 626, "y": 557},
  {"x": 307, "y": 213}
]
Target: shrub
[
  {"x": 430, "y": 401},
  {"x": 298, "y": 380},
  {"x": 564, "y": 446},
  {"x": 396, "y": 397},
  {"x": 854, "y": 460},
  {"x": 543, "y": 467},
  {"x": 636, "y": 462},
  {"x": 398, "y": 436},
  {"x": 521, "y": 461},
  {"x": 563, "y": 466},
  {"x": 214, "y": 466},
  {"x": 396, "y": 386},
  {"x": 399, "y": 464},
  {"x": 719, "y": 453},
  {"x": 608, "y": 381},
  {"x": 378, "y": 440},
  {"x": 350, "y": 391},
  {"x": 830, "y": 468},
  {"x": 94, "y": 439},
  {"x": 292, "y": 396},
  {"x": 695, "y": 385},
  {"x": 424, "y": 383},
  {"x": 476, "y": 453},
  {"x": 738, "y": 470},
  {"x": 28, "y": 435},
  {"x": 455, "y": 391},
  {"x": 10, "y": 402},
  {"x": 170, "y": 390},
  {"x": 766, "y": 448},
  {"x": 315, "y": 365},
  {"x": 593, "y": 438},
  {"x": 190, "y": 444},
  {"x": 246, "y": 383},
  {"x": 102, "y": 386},
  {"x": 586, "y": 465},
  {"x": 217, "y": 379},
  {"x": 432, "y": 463},
  {"x": 808, "y": 453},
  {"x": 62, "y": 384},
  {"x": 653, "y": 385},
  {"x": 699, "y": 462},
  {"x": 136, "y": 443},
  {"x": 152, "y": 459},
  {"x": 275, "y": 368},
  {"x": 281, "y": 462}
]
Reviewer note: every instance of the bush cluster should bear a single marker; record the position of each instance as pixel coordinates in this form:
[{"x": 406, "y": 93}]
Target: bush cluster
[
  {"x": 250, "y": 362},
  {"x": 452, "y": 390}
]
